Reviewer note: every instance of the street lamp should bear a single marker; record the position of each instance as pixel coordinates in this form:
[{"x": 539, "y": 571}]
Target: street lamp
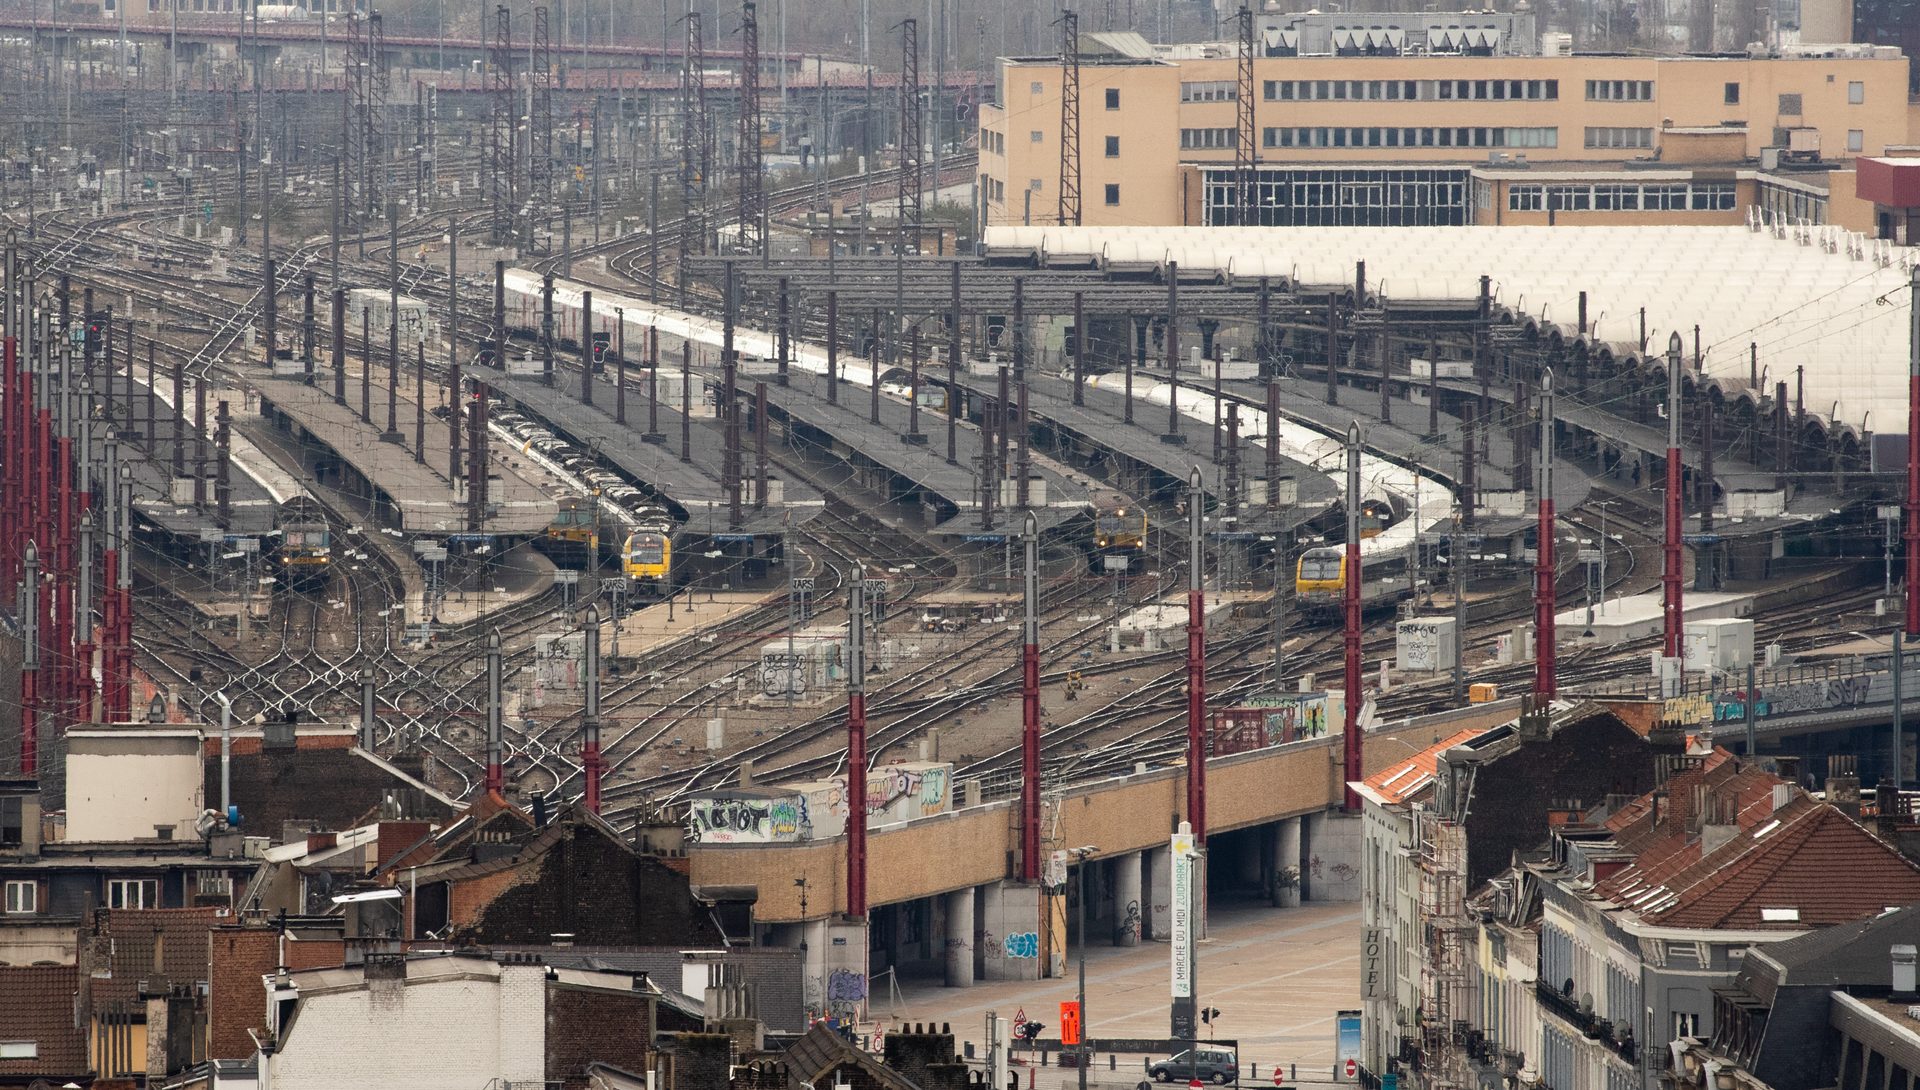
[{"x": 1080, "y": 855}]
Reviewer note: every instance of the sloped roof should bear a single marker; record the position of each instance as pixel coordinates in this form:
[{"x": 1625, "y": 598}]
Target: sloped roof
[
  {"x": 37, "y": 1004},
  {"x": 1819, "y": 863},
  {"x": 335, "y": 787},
  {"x": 1850, "y": 954},
  {"x": 1401, "y": 782},
  {"x": 1782, "y": 850},
  {"x": 820, "y": 1050},
  {"x": 181, "y": 933}
]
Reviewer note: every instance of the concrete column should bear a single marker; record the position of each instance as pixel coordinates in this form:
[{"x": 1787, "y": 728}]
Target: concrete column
[
  {"x": 1009, "y": 940},
  {"x": 1333, "y": 857},
  {"x": 1286, "y": 852},
  {"x": 1159, "y": 894},
  {"x": 1126, "y": 899},
  {"x": 959, "y": 946}
]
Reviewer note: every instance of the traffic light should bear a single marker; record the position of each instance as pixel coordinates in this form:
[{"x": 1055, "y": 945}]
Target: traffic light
[
  {"x": 96, "y": 332},
  {"x": 600, "y": 342},
  {"x": 1208, "y": 1014},
  {"x": 1030, "y": 1031}
]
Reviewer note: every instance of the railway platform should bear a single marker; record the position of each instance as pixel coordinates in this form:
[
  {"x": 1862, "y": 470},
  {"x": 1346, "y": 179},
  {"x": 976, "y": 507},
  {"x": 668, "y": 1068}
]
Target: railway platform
[
  {"x": 1145, "y": 465},
  {"x": 948, "y": 491},
  {"x": 140, "y": 412},
  {"x": 692, "y": 486},
  {"x": 339, "y": 447}
]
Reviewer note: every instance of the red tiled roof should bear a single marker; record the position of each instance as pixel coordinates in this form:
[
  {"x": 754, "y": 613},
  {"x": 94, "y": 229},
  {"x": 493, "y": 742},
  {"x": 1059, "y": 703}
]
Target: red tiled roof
[
  {"x": 1782, "y": 850},
  {"x": 37, "y": 1004},
  {"x": 1818, "y": 862},
  {"x": 1409, "y": 777},
  {"x": 183, "y": 935}
]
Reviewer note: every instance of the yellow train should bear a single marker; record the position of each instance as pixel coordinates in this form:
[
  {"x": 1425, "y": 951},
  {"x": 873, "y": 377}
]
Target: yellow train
[
  {"x": 646, "y": 556},
  {"x": 1119, "y": 534},
  {"x": 1320, "y": 577}
]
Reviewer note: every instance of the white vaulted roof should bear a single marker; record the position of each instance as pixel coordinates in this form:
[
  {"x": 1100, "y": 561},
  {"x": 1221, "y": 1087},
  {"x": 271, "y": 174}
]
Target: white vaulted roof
[{"x": 1820, "y": 298}]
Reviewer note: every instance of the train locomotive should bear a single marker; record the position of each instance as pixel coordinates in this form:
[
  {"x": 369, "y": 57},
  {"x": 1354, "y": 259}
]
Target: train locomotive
[
  {"x": 1119, "y": 534},
  {"x": 646, "y": 556},
  {"x": 1320, "y": 577},
  {"x": 303, "y": 554}
]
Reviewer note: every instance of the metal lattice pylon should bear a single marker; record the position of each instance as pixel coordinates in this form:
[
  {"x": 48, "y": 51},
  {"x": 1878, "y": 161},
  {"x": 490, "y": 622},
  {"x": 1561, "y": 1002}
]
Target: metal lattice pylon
[
  {"x": 913, "y": 162},
  {"x": 1245, "y": 206},
  {"x": 752, "y": 187},
  {"x": 354, "y": 169},
  {"x": 1069, "y": 118},
  {"x": 380, "y": 84},
  {"x": 694, "y": 158},
  {"x": 540, "y": 132},
  {"x": 500, "y": 127}
]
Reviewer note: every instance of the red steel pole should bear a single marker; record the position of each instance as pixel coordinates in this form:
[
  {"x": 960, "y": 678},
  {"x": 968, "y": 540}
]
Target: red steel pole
[
  {"x": 1353, "y": 766},
  {"x": 1030, "y": 712},
  {"x": 1196, "y": 660},
  {"x": 590, "y": 726},
  {"x": 1913, "y": 456},
  {"x": 30, "y": 661},
  {"x": 1544, "y": 677},
  {"x": 110, "y": 637},
  {"x": 1670, "y": 578},
  {"x": 65, "y": 684},
  {"x": 857, "y": 746}
]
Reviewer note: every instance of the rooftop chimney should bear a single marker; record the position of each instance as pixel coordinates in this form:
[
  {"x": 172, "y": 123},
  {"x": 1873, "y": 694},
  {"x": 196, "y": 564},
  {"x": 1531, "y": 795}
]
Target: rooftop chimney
[{"x": 1904, "y": 983}]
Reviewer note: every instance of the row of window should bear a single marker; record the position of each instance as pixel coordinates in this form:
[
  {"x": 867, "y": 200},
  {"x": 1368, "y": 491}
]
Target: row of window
[
  {"x": 1624, "y": 90},
  {"x": 1411, "y": 90},
  {"x": 993, "y": 142},
  {"x": 1207, "y": 139},
  {"x": 1614, "y": 137},
  {"x": 1464, "y": 137},
  {"x": 1622, "y": 197},
  {"x": 1212, "y": 90},
  {"x": 1793, "y": 205},
  {"x": 1341, "y": 196},
  {"x": 22, "y": 895}
]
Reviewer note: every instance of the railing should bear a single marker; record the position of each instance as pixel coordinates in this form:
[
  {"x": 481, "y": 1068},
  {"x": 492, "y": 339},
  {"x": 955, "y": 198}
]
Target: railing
[{"x": 1618, "y": 1041}]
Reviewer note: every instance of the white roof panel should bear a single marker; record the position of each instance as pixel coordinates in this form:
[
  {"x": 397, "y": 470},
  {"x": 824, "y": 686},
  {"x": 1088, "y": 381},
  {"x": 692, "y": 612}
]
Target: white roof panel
[{"x": 1834, "y": 304}]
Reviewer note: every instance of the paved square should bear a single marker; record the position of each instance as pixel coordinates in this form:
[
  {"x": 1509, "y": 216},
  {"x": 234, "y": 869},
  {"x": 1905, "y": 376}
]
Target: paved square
[{"x": 1277, "y": 975}]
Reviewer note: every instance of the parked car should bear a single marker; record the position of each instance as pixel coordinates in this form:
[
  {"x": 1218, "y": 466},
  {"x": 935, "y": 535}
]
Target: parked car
[{"x": 1213, "y": 1065}]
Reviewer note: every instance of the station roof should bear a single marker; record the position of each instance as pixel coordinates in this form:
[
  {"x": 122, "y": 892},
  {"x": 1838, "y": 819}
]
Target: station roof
[
  {"x": 693, "y": 486},
  {"x": 1821, "y": 298},
  {"x": 420, "y": 491}
]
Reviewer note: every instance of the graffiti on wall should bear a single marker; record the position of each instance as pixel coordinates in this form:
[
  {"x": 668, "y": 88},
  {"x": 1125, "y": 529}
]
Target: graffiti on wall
[
  {"x": 1022, "y": 944},
  {"x": 900, "y": 792},
  {"x": 747, "y": 821},
  {"x": 1793, "y": 698},
  {"x": 845, "y": 988}
]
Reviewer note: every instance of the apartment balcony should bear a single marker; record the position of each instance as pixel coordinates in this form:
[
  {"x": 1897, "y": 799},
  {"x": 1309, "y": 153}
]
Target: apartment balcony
[{"x": 1618, "y": 1040}]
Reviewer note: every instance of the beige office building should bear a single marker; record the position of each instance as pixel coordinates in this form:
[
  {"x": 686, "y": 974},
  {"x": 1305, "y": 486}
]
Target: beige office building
[{"x": 1440, "y": 138}]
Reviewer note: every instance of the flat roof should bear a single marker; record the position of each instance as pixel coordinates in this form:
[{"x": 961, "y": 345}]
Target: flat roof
[
  {"x": 693, "y": 486},
  {"x": 1843, "y": 317},
  {"x": 420, "y": 491}
]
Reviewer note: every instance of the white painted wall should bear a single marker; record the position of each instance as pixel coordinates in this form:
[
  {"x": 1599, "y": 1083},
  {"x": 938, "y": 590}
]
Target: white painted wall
[
  {"x": 453, "y": 1025},
  {"x": 123, "y": 782}
]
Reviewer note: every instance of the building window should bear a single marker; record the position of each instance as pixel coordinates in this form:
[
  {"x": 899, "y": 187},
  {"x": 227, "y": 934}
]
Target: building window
[
  {"x": 133, "y": 893},
  {"x": 1789, "y": 105},
  {"x": 1033, "y": 136},
  {"x": 1856, "y": 92},
  {"x": 1606, "y": 137},
  {"x": 1686, "y": 1024},
  {"x": 1035, "y": 88},
  {"x": 1216, "y": 90},
  {"x": 23, "y": 896},
  {"x": 1856, "y": 140},
  {"x": 11, "y": 820},
  {"x": 1113, "y": 194},
  {"x": 1733, "y": 94},
  {"x": 19, "y": 1050},
  {"x": 1619, "y": 90},
  {"x": 1211, "y": 139},
  {"x": 1113, "y": 147},
  {"x": 1113, "y": 98},
  {"x": 1525, "y": 198}
]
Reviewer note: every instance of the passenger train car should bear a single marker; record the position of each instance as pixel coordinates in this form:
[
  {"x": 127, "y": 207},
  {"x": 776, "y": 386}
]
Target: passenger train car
[{"x": 1320, "y": 577}]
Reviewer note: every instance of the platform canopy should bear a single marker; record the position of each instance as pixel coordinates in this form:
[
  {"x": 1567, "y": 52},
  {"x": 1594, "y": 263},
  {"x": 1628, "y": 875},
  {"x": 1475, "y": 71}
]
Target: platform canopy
[{"x": 1821, "y": 298}]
